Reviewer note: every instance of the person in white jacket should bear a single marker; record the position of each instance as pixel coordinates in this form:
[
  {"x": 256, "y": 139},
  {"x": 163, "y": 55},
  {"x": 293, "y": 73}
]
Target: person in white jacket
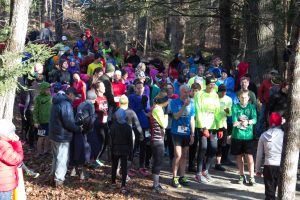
[{"x": 270, "y": 146}]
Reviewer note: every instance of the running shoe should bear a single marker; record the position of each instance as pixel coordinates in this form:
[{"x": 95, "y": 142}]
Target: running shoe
[
  {"x": 242, "y": 179},
  {"x": 183, "y": 181},
  {"x": 201, "y": 179},
  {"x": 175, "y": 183},
  {"x": 252, "y": 181},
  {"x": 207, "y": 176},
  {"x": 159, "y": 189},
  {"x": 144, "y": 172}
]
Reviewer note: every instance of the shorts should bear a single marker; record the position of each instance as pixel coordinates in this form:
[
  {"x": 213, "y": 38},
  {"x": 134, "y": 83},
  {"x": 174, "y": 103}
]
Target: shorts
[
  {"x": 239, "y": 147},
  {"x": 179, "y": 140}
]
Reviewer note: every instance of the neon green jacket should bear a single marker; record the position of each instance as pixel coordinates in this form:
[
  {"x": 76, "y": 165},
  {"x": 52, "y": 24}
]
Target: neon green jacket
[
  {"x": 207, "y": 108},
  {"x": 249, "y": 112},
  {"x": 225, "y": 102}
]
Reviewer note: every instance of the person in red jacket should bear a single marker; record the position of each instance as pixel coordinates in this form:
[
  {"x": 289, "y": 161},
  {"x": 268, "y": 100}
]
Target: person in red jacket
[
  {"x": 263, "y": 94},
  {"x": 118, "y": 87},
  {"x": 80, "y": 87},
  {"x": 11, "y": 156}
]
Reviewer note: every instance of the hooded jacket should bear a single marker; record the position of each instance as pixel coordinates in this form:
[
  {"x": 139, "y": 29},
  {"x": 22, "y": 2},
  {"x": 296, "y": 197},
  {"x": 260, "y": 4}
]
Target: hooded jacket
[
  {"x": 62, "y": 124},
  {"x": 242, "y": 70},
  {"x": 42, "y": 105},
  {"x": 270, "y": 145}
]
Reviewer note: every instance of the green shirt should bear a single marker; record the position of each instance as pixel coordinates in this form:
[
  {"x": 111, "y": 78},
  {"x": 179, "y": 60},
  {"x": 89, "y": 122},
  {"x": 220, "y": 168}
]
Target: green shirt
[
  {"x": 248, "y": 112},
  {"x": 92, "y": 67},
  {"x": 207, "y": 107}
]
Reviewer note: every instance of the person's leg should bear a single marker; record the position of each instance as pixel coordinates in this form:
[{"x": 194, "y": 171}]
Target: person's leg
[
  {"x": 170, "y": 144},
  {"x": 192, "y": 152},
  {"x": 142, "y": 154},
  {"x": 212, "y": 144},
  {"x": 176, "y": 160},
  {"x": 148, "y": 154},
  {"x": 102, "y": 140},
  {"x": 183, "y": 159},
  {"x": 240, "y": 164},
  {"x": 114, "y": 167},
  {"x": 6, "y": 195},
  {"x": 124, "y": 169},
  {"x": 157, "y": 153},
  {"x": 201, "y": 153},
  {"x": 61, "y": 161},
  {"x": 87, "y": 149},
  {"x": 250, "y": 162},
  {"x": 270, "y": 184},
  {"x": 31, "y": 129}
]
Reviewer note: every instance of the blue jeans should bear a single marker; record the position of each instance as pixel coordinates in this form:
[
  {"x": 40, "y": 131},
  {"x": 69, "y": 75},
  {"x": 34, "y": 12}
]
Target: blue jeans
[
  {"x": 60, "y": 151},
  {"x": 261, "y": 120},
  {"x": 6, "y": 195}
]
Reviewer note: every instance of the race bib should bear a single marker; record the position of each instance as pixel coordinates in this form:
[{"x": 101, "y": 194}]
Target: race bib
[
  {"x": 41, "y": 132},
  {"x": 182, "y": 129},
  {"x": 104, "y": 119},
  {"x": 147, "y": 134}
]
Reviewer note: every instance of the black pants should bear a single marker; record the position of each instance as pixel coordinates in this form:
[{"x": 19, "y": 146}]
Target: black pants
[
  {"x": 103, "y": 135},
  {"x": 145, "y": 152},
  {"x": 158, "y": 149},
  {"x": 32, "y": 134},
  {"x": 271, "y": 176},
  {"x": 222, "y": 143},
  {"x": 208, "y": 147},
  {"x": 170, "y": 144},
  {"x": 193, "y": 150},
  {"x": 115, "y": 160}
]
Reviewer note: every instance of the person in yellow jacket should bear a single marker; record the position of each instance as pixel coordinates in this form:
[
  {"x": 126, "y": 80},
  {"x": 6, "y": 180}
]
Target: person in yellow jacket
[
  {"x": 207, "y": 108},
  {"x": 225, "y": 111}
]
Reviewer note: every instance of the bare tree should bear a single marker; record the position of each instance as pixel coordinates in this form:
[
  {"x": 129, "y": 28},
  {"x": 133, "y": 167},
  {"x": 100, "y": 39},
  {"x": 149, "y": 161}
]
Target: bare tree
[{"x": 291, "y": 143}]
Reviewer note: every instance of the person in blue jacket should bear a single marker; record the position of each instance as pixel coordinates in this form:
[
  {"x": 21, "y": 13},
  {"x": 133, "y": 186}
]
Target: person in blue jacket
[{"x": 61, "y": 129}]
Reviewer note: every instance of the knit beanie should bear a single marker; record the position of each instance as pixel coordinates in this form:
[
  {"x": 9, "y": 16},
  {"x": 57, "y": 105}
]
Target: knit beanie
[
  {"x": 109, "y": 68},
  {"x": 275, "y": 119},
  {"x": 7, "y": 127}
]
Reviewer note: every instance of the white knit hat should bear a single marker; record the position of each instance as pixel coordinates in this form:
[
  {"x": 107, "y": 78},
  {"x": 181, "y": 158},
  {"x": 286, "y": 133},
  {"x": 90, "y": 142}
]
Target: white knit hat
[{"x": 6, "y": 127}]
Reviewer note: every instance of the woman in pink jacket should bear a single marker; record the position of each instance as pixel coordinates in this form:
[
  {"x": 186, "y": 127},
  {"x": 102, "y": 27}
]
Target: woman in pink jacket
[{"x": 11, "y": 156}]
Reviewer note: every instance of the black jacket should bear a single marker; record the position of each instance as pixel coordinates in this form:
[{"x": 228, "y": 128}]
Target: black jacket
[
  {"x": 121, "y": 137},
  {"x": 278, "y": 103},
  {"x": 62, "y": 124},
  {"x": 64, "y": 77}
]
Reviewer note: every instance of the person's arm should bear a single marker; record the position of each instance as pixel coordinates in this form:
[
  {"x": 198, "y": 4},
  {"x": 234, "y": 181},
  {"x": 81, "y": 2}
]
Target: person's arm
[
  {"x": 259, "y": 154},
  {"x": 160, "y": 117},
  {"x": 137, "y": 123},
  {"x": 260, "y": 92},
  {"x": 11, "y": 152},
  {"x": 253, "y": 119},
  {"x": 67, "y": 117},
  {"x": 178, "y": 114},
  {"x": 35, "y": 112}
]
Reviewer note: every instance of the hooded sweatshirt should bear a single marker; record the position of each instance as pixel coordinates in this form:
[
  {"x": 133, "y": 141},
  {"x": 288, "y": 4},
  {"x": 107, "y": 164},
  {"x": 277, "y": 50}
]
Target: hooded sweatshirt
[
  {"x": 42, "y": 105},
  {"x": 270, "y": 145}
]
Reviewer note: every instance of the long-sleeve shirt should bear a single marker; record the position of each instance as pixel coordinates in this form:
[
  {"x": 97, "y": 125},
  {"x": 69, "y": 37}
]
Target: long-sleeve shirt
[
  {"x": 158, "y": 121},
  {"x": 225, "y": 102},
  {"x": 207, "y": 107},
  {"x": 248, "y": 113},
  {"x": 140, "y": 109},
  {"x": 270, "y": 146}
]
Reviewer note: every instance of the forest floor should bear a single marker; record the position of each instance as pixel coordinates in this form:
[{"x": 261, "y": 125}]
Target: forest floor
[{"x": 97, "y": 186}]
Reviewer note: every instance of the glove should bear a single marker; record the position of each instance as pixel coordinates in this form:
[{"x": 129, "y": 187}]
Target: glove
[
  {"x": 205, "y": 133},
  {"x": 220, "y": 134}
]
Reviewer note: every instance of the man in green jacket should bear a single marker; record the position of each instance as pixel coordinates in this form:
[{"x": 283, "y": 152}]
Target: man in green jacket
[
  {"x": 41, "y": 117},
  {"x": 243, "y": 118}
]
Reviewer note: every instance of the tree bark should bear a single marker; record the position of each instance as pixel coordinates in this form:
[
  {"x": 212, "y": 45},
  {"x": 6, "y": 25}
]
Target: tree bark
[
  {"x": 16, "y": 42},
  {"x": 58, "y": 19},
  {"x": 225, "y": 32},
  {"x": 291, "y": 142}
]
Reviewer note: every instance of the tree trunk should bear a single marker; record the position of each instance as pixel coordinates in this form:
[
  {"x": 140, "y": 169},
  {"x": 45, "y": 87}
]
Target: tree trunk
[
  {"x": 177, "y": 34},
  {"x": 225, "y": 32},
  {"x": 58, "y": 19},
  {"x": 168, "y": 30},
  {"x": 291, "y": 142},
  {"x": 43, "y": 11},
  {"x": 16, "y": 42}
]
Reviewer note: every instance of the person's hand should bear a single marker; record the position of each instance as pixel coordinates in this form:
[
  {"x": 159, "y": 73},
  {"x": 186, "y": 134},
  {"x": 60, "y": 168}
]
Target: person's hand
[
  {"x": 220, "y": 134},
  {"x": 226, "y": 110},
  {"x": 237, "y": 123},
  {"x": 259, "y": 174},
  {"x": 245, "y": 123},
  {"x": 192, "y": 140},
  {"x": 205, "y": 133},
  {"x": 36, "y": 125},
  {"x": 186, "y": 102}
]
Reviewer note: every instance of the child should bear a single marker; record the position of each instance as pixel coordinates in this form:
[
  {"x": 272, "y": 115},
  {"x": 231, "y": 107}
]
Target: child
[
  {"x": 270, "y": 145},
  {"x": 243, "y": 118},
  {"x": 41, "y": 116},
  {"x": 11, "y": 156},
  {"x": 158, "y": 121},
  {"x": 122, "y": 146}
]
